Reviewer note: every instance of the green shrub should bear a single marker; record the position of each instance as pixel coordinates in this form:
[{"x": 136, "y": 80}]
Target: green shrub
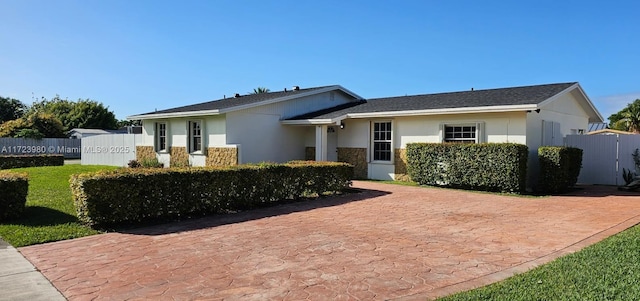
[
  {"x": 132, "y": 195},
  {"x": 20, "y": 161},
  {"x": 13, "y": 194},
  {"x": 151, "y": 163},
  {"x": 559, "y": 168},
  {"x": 486, "y": 166}
]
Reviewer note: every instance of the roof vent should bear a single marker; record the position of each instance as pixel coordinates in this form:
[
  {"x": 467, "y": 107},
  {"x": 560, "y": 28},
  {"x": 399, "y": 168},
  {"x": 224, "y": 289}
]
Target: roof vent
[
  {"x": 237, "y": 95},
  {"x": 285, "y": 89},
  {"x": 471, "y": 88},
  {"x": 296, "y": 88}
]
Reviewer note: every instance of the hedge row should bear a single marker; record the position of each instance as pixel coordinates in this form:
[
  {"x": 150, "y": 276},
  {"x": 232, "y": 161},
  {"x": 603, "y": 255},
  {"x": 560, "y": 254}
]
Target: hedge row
[
  {"x": 20, "y": 161},
  {"x": 485, "y": 166},
  {"x": 559, "y": 168},
  {"x": 132, "y": 195},
  {"x": 14, "y": 187}
]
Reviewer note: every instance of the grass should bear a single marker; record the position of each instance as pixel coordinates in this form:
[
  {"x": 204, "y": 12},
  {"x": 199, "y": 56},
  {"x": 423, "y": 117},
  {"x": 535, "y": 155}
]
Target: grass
[
  {"x": 50, "y": 214},
  {"x": 609, "y": 270}
]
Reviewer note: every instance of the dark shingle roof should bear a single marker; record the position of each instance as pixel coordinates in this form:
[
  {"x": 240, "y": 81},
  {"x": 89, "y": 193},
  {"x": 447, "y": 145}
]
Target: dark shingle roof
[
  {"x": 231, "y": 102},
  {"x": 528, "y": 95}
]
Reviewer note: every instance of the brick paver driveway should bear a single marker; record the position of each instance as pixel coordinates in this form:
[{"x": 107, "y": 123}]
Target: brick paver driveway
[{"x": 387, "y": 242}]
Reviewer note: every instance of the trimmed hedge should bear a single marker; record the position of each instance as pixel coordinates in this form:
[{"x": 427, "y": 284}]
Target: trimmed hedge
[
  {"x": 133, "y": 195},
  {"x": 485, "y": 166},
  {"x": 20, "y": 161},
  {"x": 559, "y": 168},
  {"x": 13, "y": 194}
]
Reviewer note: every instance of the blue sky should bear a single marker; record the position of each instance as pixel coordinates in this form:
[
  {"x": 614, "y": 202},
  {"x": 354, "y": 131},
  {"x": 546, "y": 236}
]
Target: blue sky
[{"x": 138, "y": 56}]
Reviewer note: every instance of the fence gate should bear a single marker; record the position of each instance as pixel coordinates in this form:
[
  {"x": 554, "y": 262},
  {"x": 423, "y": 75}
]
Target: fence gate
[{"x": 604, "y": 157}]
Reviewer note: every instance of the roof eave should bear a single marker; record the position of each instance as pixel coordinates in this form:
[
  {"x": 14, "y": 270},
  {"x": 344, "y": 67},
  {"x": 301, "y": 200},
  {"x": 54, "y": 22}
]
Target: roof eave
[
  {"x": 493, "y": 109},
  {"x": 591, "y": 105},
  {"x": 174, "y": 115},
  {"x": 308, "y": 122}
]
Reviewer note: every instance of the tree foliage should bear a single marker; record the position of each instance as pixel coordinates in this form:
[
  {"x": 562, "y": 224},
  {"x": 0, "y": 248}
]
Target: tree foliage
[
  {"x": 260, "y": 90},
  {"x": 38, "y": 125},
  {"x": 11, "y": 109},
  {"x": 628, "y": 119},
  {"x": 84, "y": 113}
]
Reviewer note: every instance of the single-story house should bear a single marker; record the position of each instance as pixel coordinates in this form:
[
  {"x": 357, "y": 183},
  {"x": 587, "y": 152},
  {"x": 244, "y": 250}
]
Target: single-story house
[
  {"x": 79, "y": 133},
  {"x": 333, "y": 123}
]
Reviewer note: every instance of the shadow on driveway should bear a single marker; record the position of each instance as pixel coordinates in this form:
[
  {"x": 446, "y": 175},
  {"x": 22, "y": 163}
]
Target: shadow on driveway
[
  {"x": 354, "y": 195},
  {"x": 598, "y": 191}
]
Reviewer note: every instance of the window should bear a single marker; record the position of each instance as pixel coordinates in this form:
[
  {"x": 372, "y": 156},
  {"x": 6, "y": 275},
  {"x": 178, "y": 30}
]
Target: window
[
  {"x": 195, "y": 136},
  {"x": 161, "y": 137},
  {"x": 460, "y": 133},
  {"x": 382, "y": 141}
]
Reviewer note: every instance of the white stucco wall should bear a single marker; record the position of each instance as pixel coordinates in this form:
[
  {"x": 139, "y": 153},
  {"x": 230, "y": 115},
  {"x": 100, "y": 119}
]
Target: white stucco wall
[
  {"x": 261, "y": 137},
  {"x": 567, "y": 112},
  {"x": 564, "y": 110},
  {"x": 213, "y": 131},
  {"x": 498, "y": 127}
]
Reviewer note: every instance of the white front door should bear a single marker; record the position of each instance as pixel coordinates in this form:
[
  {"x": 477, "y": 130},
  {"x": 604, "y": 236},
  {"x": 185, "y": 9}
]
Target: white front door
[{"x": 332, "y": 143}]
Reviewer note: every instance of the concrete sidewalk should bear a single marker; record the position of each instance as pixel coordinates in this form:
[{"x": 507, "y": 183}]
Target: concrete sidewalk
[{"x": 19, "y": 279}]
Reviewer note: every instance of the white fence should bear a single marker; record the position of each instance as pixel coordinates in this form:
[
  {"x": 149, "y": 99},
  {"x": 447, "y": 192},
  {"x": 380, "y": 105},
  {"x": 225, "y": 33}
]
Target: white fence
[
  {"x": 70, "y": 148},
  {"x": 604, "y": 157},
  {"x": 115, "y": 150}
]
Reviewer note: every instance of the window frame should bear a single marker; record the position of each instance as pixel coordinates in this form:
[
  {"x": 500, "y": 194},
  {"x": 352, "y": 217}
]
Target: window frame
[
  {"x": 388, "y": 139},
  {"x": 478, "y": 132},
  {"x": 191, "y": 145},
  {"x": 158, "y": 137}
]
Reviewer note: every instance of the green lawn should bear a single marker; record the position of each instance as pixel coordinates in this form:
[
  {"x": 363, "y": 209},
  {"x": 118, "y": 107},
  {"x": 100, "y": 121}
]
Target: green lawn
[
  {"x": 609, "y": 270},
  {"x": 50, "y": 214}
]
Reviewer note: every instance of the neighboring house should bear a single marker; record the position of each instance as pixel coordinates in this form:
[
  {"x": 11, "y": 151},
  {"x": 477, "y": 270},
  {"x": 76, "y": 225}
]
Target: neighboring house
[
  {"x": 79, "y": 133},
  {"x": 610, "y": 132},
  {"x": 332, "y": 123},
  {"x": 597, "y": 126}
]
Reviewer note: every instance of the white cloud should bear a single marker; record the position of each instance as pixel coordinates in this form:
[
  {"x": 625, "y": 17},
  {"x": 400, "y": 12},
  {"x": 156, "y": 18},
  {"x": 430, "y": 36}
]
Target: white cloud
[{"x": 611, "y": 104}]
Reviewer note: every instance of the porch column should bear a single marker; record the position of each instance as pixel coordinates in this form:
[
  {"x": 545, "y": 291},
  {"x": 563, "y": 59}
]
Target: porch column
[{"x": 321, "y": 143}]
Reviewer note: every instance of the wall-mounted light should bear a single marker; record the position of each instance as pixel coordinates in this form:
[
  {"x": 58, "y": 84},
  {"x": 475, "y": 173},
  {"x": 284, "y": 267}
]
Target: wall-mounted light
[{"x": 341, "y": 125}]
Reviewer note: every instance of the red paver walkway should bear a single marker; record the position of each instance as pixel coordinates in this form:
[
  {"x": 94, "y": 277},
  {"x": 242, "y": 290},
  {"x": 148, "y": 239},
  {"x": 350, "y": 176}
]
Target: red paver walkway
[{"x": 389, "y": 242}]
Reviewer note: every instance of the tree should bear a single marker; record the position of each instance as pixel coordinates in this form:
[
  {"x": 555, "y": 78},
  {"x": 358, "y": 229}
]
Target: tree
[
  {"x": 628, "y": 119},
  {"x": 38, "y": 125},
  {"x": 84, "y": 113},
  {"x": 260, "y": 90},
  {"x": 11, "y": 109}
]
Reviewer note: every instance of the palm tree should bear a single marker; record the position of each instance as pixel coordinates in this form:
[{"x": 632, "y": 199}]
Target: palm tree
[
  {"x": 628, "y": 119},
  {"x": 259, "y": 90},
  {"x": 632, "y": 117}
]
